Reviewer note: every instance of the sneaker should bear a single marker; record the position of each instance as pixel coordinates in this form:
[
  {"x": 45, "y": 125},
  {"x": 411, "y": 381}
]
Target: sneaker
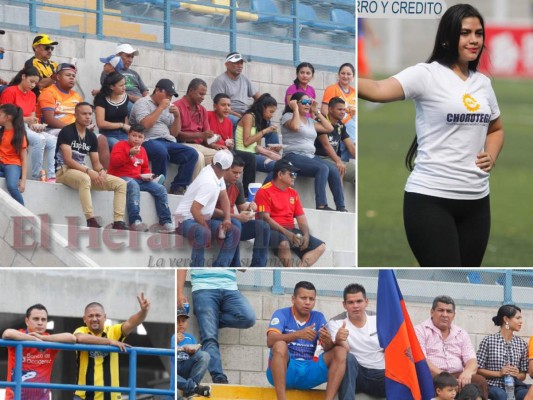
[
  {"x": 159, "y": 179},
  {"x": 139, "y": 226},
  {"x": 167, "y": 228},
  {"x": 93, "y": 223},
  {"x": 119, "y": 226},
  {"x": 203, "y": 390},
  {"x": 342, "y": 209},
  {"x": 178, "y": 190},
  {"x": 221, "y": 380},
  {"x": 51, "y": 180},
  {"x": 325, "y": 208}
]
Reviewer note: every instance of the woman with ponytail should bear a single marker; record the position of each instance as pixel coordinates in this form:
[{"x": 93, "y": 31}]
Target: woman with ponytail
[{"x": 13, "y": 150}]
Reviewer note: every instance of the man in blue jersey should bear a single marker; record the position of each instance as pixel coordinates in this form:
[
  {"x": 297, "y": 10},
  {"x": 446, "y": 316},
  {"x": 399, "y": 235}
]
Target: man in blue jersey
[
  {"x": 293, "y": 336},
  {"x": 217, "y": 303}
]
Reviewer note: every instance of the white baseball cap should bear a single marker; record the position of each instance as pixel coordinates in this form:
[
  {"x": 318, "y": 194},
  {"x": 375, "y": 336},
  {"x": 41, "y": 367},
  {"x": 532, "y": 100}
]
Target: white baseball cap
[
  {"x": 224, "y": 158},
  {"x": 126, "y": 48}
]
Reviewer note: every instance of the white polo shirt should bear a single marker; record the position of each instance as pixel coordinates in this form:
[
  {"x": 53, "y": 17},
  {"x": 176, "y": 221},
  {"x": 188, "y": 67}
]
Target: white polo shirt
[
  {"x": 452, "y": 118},
  {"x": 205, "y": 190},
  {"x": 363, "y": 342}
]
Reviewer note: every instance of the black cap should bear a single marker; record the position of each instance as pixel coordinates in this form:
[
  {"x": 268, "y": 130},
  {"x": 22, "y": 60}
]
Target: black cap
[
  {"x": 168, "y": 86},
  {"x": 182, "y": 313},
  {"x": 283, "y": 165}
]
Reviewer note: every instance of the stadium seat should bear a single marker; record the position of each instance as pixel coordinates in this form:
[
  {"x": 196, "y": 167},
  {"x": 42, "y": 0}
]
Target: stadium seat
[
  {"x": 268, "y": 12},
  {"x": 344, "y": 20},
  {"x": 309, "y": 18}
]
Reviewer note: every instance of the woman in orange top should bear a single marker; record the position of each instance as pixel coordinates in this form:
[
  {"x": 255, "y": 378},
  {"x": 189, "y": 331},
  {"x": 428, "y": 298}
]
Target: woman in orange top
[
  {"x": 346, "y": 91},
  {"x": 13, "y": 150}
]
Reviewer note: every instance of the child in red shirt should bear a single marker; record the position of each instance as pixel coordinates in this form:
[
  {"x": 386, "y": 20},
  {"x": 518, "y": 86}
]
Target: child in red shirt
[{"x": 129, "y": 161}]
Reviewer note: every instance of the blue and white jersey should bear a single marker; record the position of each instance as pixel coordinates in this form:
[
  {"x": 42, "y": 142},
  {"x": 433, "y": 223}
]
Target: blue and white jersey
[{"x": 283, "y": 321}]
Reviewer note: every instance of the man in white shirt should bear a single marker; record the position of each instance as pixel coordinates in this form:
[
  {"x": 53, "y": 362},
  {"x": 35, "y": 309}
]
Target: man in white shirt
[
  {"x": 356, "y": 330},
  {"x": 195, "y": 211}
]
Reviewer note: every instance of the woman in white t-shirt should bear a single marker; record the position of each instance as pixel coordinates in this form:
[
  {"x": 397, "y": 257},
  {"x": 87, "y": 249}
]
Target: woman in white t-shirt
[{"x": 459, "y": 135}]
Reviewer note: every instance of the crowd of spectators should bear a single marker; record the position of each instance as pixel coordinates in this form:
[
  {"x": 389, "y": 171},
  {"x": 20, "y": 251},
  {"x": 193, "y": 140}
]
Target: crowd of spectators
[{"x": 59, "y": 138}]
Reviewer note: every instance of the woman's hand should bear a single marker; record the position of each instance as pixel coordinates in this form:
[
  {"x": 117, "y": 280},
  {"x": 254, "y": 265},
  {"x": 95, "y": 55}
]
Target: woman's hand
[
  {"x": 485, "y": 161},
  {"x": 293, "y": 104}
]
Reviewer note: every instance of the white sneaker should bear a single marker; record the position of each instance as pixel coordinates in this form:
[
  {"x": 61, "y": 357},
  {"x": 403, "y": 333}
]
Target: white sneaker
[
  {"x": 166, "y": 228},
  {"x": 139, "y": 226}
]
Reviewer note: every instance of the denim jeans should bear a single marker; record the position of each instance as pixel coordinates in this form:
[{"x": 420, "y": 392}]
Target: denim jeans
[
  {"x": 12, "y": 174},
  {"x": 39, "y": 144},
  {"x": 358, "y": 379},
  {"x": 216, "y": 309},
  {"x": 350, "y": 128},
  {"x": 200, "y": 238},
  {"x": 258, "y": 230},
  {"x": 161, "y": 151},
  {"x": 115, "y": 136},
  {"x": 497, "y": 393},
  {"x": 133, "y": 199},
  {"x": 323, "y": 172},
  {"x": 192, "y": 371}
]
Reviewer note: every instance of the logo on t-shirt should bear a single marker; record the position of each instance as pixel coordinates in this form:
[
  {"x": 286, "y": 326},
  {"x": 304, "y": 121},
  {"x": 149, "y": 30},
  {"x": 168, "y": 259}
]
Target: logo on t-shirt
[
  {"x": 274, "y": 321},
  {"x": 291, "y": 200},
  {"x": 470, "y": 103}
]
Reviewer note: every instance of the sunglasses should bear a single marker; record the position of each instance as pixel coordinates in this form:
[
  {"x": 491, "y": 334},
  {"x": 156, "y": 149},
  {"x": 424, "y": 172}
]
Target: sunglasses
[
  {"x": 292, "y": 174},
  {"x": 49, "y": 48},
  {"x": 306, "y": 102}
]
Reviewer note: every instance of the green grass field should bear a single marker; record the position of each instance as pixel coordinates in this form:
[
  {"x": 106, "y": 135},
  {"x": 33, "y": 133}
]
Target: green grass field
[{"x": 384, "y": 135}]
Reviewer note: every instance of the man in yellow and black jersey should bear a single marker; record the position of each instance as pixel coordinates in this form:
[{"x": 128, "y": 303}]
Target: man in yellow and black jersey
[
  {"x": 100, "y": 368},
  {"x": 43, "y": 47}
]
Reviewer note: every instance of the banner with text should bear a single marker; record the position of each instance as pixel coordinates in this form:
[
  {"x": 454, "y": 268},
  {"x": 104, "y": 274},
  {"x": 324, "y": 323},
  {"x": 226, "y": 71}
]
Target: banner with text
[
  {"x": 400, "y": 9},
  {"x": 509, "y": 51}
]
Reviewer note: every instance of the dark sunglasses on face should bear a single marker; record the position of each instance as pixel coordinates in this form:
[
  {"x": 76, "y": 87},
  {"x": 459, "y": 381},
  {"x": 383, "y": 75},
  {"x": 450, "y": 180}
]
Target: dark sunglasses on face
[
  {"x": 49, "y": 48},
  {"x": 292, "y": 174},
  {"x": 306, "y": 102}
]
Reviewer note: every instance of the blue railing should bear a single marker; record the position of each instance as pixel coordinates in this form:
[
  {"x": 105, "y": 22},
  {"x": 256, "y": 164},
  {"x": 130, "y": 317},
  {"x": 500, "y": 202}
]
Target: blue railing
[
  {"x": 17, "y": 385},
  {"x": 291, "y": 24}
]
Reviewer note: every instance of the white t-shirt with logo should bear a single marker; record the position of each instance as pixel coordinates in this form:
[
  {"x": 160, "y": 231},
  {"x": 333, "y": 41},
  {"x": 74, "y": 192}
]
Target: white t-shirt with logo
[{"x": 452, "y": 118}]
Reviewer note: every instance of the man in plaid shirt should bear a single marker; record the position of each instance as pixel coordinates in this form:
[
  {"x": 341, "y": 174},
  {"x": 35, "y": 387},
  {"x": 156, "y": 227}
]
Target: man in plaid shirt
[{"x": 447, "y": 347}]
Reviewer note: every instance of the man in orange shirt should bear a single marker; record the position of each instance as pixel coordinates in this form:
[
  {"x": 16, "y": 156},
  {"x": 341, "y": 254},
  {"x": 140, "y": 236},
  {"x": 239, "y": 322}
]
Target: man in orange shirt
[{"x": 57, "y": 102}]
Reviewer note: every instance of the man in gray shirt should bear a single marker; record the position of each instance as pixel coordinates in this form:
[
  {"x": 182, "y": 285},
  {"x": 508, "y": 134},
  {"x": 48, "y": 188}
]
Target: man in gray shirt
[{"x": 162, "y": 124}]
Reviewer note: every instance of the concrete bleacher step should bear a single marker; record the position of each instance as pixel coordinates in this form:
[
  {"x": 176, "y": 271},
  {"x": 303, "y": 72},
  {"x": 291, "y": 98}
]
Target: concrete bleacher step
[
  {"x": 86, "y": 23},
  {"x": 243, "y": 392}
]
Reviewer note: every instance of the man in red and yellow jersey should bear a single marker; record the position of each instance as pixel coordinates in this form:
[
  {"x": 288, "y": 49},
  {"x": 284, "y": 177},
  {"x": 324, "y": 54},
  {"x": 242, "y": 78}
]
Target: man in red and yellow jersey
[
  {"x": 43, "y": 47},
  {"x": 37, "y": 364},
  {"x": 97, "y": 368},
  {"x": 279, "y": 205}
]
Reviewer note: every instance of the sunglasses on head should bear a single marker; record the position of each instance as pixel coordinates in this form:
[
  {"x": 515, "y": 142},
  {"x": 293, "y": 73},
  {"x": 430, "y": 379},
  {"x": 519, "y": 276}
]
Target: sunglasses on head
[
  {"x": 306, "y": 102},
  {"x": 48, "y": 48}
]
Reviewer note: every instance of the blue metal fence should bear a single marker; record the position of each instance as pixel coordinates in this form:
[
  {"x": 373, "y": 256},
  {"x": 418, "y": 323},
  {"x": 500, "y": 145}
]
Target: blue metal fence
[
  {"x": 296, "y": 23},
  {"x": 132, "y": 352}
]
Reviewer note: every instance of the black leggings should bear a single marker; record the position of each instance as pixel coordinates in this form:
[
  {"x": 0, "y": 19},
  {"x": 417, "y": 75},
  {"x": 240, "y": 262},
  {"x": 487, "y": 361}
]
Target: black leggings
[{"x": 446, "y": 233}]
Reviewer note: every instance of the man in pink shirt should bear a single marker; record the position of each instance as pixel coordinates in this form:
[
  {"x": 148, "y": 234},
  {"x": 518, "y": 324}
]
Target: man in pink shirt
[
  {"x": 195, "y": 131},
  {"x": 447, "y": 347}
]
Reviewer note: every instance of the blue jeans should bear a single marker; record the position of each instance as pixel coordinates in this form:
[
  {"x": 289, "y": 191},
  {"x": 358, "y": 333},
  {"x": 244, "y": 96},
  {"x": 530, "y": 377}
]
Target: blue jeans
[
  {"x": 39, "y": 143},
  {"x": 161, "y": 151},
  {"x": 350, "y": 128},
  {"x": 261, "y": 166},
  {"x": 133, "y": 199},
  {"x": 200, "y": 238},
  {"x": 12, "y": 174},
  {"x": 258, "y": 230},
  {"x": 113, "y": 137},
  {"x": 358, "y": 379},
  {"x": 215, "y": 309},
  {"x": 497, "y": 393},
  {"x": 192, "y": 371},
  {"x": 323, "y": 172}
]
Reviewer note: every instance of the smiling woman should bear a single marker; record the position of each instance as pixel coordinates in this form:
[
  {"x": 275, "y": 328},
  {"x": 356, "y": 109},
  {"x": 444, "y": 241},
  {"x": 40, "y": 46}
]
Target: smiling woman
[{"x": 459, "y": 135}]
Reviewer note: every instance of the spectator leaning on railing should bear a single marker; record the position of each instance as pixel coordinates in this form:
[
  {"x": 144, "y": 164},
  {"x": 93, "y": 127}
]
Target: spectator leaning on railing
[
  {"x": 35, "y": 372},
  {"x": 96, "y": 369}
]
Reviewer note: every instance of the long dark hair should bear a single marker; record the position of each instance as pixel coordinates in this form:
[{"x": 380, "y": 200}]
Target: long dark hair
[
  {"x": 257, "y": 108},
  {"x": 446, "y": 50},
  {"x": 112, "y": 79},
  {"x": 299, "y": 67},
  {"x": 17, "y": 116},
  {"x": 26, "y": 71},
  {"x": 296, "y": 96}
]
